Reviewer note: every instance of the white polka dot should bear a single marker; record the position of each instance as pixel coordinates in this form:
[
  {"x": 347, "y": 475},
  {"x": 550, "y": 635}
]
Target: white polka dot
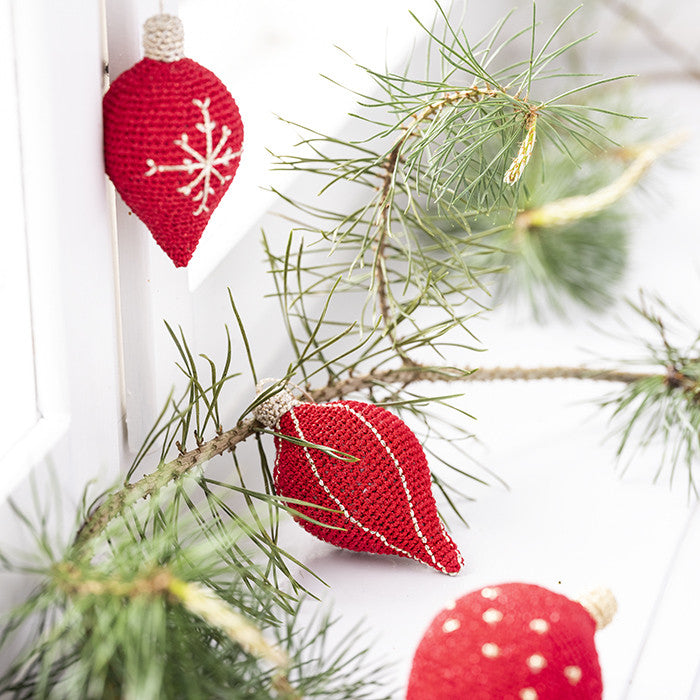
[
  {"x": 451, "y": 605},
  {"x": 539, "y": 625},
  {"x": 490, "y": 650},
  {"x": 528, "y": 694},
  {"x": 573, "y": 674},
  {"x": 490, "y": 593},
  {"x": 536, "y": 662},
  {"x": 450, "y": 625},
  {"x": 492, "y": 616}
]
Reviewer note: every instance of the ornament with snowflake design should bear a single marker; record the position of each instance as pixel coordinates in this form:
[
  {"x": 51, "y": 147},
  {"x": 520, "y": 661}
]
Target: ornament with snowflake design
[{"x": 172, "y": 140}]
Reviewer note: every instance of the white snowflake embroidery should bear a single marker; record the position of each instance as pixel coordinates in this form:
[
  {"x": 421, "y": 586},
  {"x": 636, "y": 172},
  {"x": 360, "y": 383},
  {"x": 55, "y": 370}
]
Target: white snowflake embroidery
[{"x": 205, "y": 164}]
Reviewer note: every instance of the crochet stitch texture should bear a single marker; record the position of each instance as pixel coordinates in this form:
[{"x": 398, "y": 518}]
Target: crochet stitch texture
[
  {"x": 383, "y": 502},
  {"x": 172, "y": 143},
  {"x": 512, "y": 641}
]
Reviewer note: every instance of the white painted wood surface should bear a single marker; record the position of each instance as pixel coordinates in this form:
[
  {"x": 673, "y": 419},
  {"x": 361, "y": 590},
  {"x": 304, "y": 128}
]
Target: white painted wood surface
[
  {"x": 568, "y": 521},
  {"x": 69, "y": 245},
  {"x": 78, "y": 436},
  {"x": 19, "y": 415}
]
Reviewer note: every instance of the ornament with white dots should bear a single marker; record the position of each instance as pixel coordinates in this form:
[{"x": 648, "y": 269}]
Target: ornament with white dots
[{"x": 512, "y": 640}]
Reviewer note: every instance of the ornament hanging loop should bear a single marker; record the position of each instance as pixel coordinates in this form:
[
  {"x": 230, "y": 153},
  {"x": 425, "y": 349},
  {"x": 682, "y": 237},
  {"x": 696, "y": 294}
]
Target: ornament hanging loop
[{"x": 164, "y": 38}]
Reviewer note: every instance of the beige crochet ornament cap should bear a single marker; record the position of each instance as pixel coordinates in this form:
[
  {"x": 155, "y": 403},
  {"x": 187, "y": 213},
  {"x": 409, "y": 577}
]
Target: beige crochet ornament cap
[
  {"x": 164, "y": 38},
  {"x": 270, "y": 411},
  {"x": 601, "y": 605}
]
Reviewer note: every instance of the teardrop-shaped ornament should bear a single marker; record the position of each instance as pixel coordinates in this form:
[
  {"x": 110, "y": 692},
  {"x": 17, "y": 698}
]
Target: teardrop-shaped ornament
[
  {"x": 382, "y": 502},
  {"x": 172, "y": 140}
]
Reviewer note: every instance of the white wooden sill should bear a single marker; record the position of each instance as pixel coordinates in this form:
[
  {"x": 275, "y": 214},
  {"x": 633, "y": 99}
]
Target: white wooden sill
[{"x": 570, "y": 520}]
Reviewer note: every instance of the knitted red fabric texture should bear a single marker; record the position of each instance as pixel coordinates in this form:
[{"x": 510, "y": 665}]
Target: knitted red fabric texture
[
  {"x": 512, "y": 641},
  {"x": 385, "y": 500},
  {"x": 172, "y": 141}
]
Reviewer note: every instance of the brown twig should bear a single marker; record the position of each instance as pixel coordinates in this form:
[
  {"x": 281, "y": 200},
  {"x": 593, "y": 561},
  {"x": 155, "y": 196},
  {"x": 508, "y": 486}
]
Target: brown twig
[
  {"x": 570, "y": 209},
  {"x": 383, "y": 227},
  {"x": 118, "y": 501},
  {"x": 73, "y": 582},
  {"x": 675, "y": 379},
  {"x": 650, "y": 29},
  {"x": 420, "y": 373},
  {"x": 284, "y": 689},
  {"x": 193, "y": 596},
  {"x": 383, "y": 221}
]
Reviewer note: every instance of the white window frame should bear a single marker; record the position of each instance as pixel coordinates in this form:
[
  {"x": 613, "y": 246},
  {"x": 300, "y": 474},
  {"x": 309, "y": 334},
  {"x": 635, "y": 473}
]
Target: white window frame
[
  {"x": 18, "y": 413},
  {"x": 70, "y": 249}
]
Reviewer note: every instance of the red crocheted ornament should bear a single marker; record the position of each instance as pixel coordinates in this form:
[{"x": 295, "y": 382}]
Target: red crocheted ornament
[
  {"x": 513, "y": 641},
  {"x": 382, "y": 503},
  {"x": 172, "y": 142}
]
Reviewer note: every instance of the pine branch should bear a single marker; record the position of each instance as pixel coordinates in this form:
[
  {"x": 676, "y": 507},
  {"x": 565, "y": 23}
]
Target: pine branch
[
  {"x": 570, "y": 240},
  {"x": 650, "y": 29},
  {"x": 418, "y": 373},
  {"x": 167, "y": 617},
  {"x": 118, "y": 501},
  {"x": 572, "y": 209},
  {"x": 160, "y": 582},
  {"x": 444, "y": 149},
  {"x": 383, "y": 224},
  {"x": 664, "y": 410}
]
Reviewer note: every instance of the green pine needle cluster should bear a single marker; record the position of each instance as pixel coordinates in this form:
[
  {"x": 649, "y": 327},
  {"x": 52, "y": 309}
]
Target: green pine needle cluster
[
  {"x": 171, "y": 613},
  {"x": 547, "y": 269},
  {"x": 663, "y": 410},
  {"x": 435, "y": 157},
  {"x": 176, "y": 584}
]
